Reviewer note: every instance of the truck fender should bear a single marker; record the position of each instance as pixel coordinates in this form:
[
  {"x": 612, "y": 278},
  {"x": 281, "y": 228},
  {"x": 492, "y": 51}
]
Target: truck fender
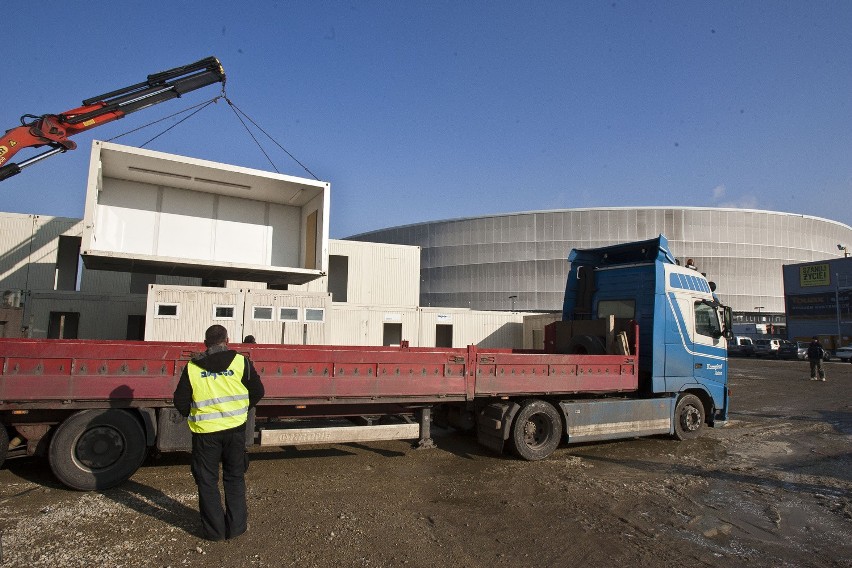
[
  {"x": 706, "y": 400},
  {"x": 494, "y": 424},
  {"x": 149, "y": 422}
]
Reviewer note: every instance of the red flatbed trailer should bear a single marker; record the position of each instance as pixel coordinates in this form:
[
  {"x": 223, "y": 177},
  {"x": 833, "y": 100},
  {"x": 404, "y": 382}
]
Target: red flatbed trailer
[{"x": 58, "y": 396}]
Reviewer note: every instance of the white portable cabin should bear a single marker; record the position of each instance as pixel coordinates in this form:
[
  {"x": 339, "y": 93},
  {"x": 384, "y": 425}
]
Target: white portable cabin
[
  {"x": 460, "y": 327},
  {"x": 160, "y": 213},
  {"x": 293, "y": 318}
]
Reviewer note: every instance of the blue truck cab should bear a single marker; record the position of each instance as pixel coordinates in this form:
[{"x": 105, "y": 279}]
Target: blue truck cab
[{"x": 683, "y": 330}]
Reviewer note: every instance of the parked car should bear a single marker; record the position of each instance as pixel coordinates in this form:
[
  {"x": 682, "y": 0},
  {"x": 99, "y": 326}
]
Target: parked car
[
  {"x": 740, "y": 346},
  {"x": 844, "y": 353},
  {"x": 766, "y": 347},
  {"x": 788, "y": 350}
]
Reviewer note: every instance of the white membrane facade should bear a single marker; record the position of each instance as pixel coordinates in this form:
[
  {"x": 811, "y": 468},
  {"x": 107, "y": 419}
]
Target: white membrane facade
[{"x": 518, "y": 261}]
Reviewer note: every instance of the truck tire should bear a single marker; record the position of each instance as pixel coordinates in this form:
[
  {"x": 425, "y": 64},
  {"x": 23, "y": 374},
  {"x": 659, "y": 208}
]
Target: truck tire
[
  {"x": 536, "y": 431},
  {"x": 97, "y": 449},
  {"x": 4, "y": 444},
  {"x": 586, "y": 345},
  {"x": 689, "y": 417}
]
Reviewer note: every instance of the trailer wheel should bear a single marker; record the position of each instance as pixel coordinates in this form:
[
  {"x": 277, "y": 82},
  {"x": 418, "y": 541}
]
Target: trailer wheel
[
  {"x": 689, "y": 417},
  {"x": 4, "y": 444},
  {"x": 97, "y": 449},
  {"x": 536, "y": 431}
]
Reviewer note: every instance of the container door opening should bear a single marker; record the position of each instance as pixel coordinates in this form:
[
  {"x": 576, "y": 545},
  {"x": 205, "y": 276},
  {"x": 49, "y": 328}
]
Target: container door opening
[
  {"x": 135, "y": 328},
  {"x": 67, "y": 263},
  {"x": 392, "y": 334},
  {"x": 63, "y": 325},
  {"x": 443, "y": 335}
]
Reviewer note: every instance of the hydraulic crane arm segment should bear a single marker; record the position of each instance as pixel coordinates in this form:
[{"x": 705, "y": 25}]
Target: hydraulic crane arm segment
[{"x": 54, "y": 130}]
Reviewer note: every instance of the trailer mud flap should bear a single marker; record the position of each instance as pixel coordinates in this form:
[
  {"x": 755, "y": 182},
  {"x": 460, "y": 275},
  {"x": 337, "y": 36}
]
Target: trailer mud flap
[
  {"x": 589, "y": 421},
  {"x": 493, "y": 424}
]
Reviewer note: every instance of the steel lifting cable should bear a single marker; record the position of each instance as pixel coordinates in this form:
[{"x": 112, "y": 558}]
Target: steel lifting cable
[
  {"x": 238, "y": 112},
  {"x": 202, "y": 105}
]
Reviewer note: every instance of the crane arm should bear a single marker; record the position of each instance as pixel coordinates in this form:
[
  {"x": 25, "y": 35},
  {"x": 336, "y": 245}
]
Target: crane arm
[{"x": 55, "y": 130}]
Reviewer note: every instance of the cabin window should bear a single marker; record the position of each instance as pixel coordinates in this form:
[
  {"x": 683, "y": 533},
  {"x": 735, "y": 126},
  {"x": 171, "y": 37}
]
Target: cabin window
[
  {"x": 315, "y": 314},
  {"x": 163, "y": 310},
  {"x": 288, "y": 314},
  {"x": 223, "y": 312},
  {"x": 619, "y": 308},
  {"x": 262, "y": 313}
]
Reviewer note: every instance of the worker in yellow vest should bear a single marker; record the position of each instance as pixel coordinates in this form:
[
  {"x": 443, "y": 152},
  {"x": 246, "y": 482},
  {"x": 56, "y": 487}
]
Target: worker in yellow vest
[{"x": 215, "y": 392}]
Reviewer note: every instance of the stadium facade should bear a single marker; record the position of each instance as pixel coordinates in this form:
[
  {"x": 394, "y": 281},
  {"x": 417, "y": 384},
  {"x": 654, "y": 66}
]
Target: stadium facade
[{"x": 519, "y": 260}]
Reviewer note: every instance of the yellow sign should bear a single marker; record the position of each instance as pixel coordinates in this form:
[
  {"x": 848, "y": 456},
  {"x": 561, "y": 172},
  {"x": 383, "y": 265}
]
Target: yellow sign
[{"x": 814, "y": 275}]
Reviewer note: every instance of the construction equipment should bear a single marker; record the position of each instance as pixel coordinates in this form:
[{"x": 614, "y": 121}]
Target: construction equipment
[{"x": 55, "y": 130}]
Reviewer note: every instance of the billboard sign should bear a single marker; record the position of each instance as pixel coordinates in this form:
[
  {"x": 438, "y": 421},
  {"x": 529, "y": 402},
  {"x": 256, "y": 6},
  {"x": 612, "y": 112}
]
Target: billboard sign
[{"x": 814, "y": 275}]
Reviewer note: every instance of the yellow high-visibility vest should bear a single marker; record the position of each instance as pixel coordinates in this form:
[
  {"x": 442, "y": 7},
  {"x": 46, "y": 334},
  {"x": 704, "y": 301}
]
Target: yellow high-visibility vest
[{"x": 219, "y": 400}]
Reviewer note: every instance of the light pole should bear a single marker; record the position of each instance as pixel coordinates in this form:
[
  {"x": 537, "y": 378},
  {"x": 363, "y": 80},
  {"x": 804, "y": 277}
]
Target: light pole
[
  {"x": 837, "y": 305},
  {"x": 845, "y": 250}
]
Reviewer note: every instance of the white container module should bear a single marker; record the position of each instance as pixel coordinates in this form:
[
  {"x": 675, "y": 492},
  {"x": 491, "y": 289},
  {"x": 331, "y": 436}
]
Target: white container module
[{"x": 160, "y": 213}]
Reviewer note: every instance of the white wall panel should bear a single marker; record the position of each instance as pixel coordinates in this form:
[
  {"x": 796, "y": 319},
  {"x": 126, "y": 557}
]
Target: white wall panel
[
  {"x": 28, "y": 249},
  {"x": 741, "y": 250},
  {"x": 195, "y": 312},
  {"x": 472, "y": 327}
]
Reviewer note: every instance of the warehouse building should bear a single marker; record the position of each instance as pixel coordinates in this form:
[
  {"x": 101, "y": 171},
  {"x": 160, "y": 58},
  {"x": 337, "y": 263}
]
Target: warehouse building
[
  {"x": 818, "y": 296},
  {"x": 501, "y": 262}
]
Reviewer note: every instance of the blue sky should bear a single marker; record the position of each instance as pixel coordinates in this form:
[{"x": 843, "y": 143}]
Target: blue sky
[{"x": 418, "y": 111}]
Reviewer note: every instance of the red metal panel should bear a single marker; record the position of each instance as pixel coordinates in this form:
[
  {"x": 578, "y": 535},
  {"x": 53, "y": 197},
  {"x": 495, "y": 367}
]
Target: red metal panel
[
  {"x": 104, "y": 388},
  {"x": 35, "y": 387},
  {"x": 505, "y": 374},
  {"x": 107, "y": 371},
  {"x": 24, "y": 366}
]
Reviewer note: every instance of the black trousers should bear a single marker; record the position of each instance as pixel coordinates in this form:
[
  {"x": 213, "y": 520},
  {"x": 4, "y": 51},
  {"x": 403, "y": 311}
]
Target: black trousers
[
  {"x": 816, "y": 368},
  {"x": 208, "y": 451}
]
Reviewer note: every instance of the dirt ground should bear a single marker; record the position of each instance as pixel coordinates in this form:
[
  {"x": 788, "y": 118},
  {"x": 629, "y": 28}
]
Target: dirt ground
[{"x": 770, "y": 489}]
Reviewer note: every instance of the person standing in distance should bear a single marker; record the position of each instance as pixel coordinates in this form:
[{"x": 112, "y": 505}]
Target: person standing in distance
[
  {"x": 215, "y": 392},
  {"x": 815, "y": 355}
]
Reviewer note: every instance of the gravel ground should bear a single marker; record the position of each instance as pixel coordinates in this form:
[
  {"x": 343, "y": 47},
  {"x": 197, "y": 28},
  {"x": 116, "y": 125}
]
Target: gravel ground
[{"x": 770, "y": 489}]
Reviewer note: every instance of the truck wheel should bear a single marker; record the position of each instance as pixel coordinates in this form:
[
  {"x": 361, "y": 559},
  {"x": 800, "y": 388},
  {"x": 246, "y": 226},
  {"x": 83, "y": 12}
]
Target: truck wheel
[
  {"x": 536, "y": 431},
  {"x": 4, "y": 444},
  {"x": 97, "y": 449},
  {"x": 689, "y": 417}
]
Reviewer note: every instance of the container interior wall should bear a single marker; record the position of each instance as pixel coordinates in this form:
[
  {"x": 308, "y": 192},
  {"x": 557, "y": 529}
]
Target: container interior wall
[{"x": 150, "y": 220}]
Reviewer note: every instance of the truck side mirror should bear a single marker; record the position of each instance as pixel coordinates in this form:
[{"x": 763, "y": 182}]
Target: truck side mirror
[{"x": 728, "y": 327}]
